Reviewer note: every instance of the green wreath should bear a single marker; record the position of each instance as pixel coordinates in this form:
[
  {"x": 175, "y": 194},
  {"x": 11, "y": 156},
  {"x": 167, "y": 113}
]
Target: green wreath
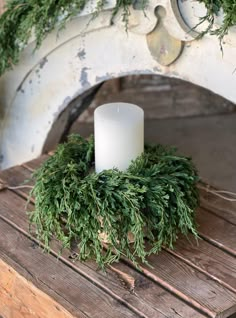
[{"x": 153, "y": 201}]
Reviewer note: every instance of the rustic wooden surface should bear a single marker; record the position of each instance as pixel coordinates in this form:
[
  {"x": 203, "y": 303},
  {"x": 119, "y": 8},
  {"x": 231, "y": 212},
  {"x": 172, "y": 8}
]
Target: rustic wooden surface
[
  {"x": 13, "y": 300},
  {"x": 195, "y": 280}
]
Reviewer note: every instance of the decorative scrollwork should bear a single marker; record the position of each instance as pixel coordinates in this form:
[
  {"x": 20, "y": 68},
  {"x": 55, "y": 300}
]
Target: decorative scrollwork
[{"x": 165, "y": 29}]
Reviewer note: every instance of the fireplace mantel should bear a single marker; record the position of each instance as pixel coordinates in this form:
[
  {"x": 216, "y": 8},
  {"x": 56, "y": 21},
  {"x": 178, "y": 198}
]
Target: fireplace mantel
[{"x": 47, "y": 86}]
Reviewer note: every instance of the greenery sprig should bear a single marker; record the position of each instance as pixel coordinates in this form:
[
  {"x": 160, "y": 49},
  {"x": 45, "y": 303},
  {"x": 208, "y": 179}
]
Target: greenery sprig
[
  {"x": 228, "y": 7},
  {"x": 22, "y": 18},
  {"x": 154, "y": 199}
]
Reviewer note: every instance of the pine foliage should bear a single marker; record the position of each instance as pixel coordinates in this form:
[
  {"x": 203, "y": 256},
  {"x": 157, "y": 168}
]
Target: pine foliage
[
  {"x": 154, "y": 199},
  {"x": 214, "y": 7},
  {"x": 24, "y": 18}
]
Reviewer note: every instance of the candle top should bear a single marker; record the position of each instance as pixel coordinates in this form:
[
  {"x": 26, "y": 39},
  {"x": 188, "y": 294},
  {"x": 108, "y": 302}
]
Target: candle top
[{"x": 119, "y": 112}]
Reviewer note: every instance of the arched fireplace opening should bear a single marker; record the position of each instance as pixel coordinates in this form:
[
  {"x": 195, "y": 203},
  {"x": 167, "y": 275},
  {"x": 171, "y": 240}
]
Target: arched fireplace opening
[
  {"x": 193, "y": 119},
  {"x": 46, "y": 89}
]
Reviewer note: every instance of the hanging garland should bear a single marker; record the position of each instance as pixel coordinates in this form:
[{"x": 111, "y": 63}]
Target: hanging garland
[
  {"x": 213, "y": 9},
  {"x": 24, "y": 17},
  {"x": 155, "y": 199}
]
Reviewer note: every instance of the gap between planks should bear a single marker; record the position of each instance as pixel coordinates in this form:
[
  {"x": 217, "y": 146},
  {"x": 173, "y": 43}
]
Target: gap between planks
[
  {"x": 218, "y": 244},
  {"x": 33, "y": 164},
  {"x": 26, "y": 233},
  {"x": 186, "y": 261},
  {"x": 75, "y": 268},
  {"x": 13, "y": 224},
  {"x": 83, "y": 294},
  {"x": 220, "y": 281},
  {"x": 161, "y": 283}
]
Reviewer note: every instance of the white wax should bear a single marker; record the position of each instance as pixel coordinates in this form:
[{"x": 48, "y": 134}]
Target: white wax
[{"x": 119, "y": 135}]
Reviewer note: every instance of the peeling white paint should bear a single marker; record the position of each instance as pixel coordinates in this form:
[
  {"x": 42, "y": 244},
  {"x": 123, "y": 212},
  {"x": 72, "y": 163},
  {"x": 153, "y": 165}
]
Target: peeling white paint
[{"x": 38, "y": 90}]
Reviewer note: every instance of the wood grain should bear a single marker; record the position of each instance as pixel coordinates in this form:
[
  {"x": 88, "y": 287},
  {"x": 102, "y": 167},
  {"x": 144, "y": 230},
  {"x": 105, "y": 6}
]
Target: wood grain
[
  {"x": 206, "y": 267},
  {"x": 217, "y": 231},
  {"x": 154, "y": 303},
  {"x": 144, "y": 294},
  {"x": 205, "y": 256},
  {"x": 168, "y": 275},
  {"x": 222, "y": 208},
  {"x": 191, "y": 285},
  {"x": 17, "y": 177},
  {"x": 20, "y": 298},
  {"x": 77, "y": 294},
  {"x": 209, "y": 259},
  {"x": 34, "y": 164}
]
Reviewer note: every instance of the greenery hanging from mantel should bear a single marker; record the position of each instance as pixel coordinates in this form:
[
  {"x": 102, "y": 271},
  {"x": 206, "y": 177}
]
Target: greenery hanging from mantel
[
  {"x": 155, "y": 199},
  {"x": 214, "y": 7},
  {"x": 22, "y": 17}
]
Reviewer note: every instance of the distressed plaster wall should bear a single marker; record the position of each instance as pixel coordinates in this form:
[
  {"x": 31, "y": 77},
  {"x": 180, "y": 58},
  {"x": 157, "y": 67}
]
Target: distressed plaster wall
[{"x": 37, "y": 92}]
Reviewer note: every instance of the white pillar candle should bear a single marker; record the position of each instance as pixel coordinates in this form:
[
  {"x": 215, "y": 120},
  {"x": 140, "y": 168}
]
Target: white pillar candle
[{"x": 119, "y": 135}]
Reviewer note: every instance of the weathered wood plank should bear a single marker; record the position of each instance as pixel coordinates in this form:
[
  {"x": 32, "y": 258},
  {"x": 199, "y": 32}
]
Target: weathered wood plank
[
  {"x": 191, "y": 285},
  {"x": 154, "y": 304},
  {"x": 76, "y": 293},
  {"x": 20, "y": 298},
  {"x": 152, "y": 294},
  {"x": 17, "y": 178},
  {"x": 34, "y": 164},
  {"x": 11, "y": 208},
  {"x": 217, "y": 231},
  {"x": 225, "y": 222},
  {"x": 222, "y": 208},
  {"x": 144, "y": 289},
  {"x": 208, "y": 258}
]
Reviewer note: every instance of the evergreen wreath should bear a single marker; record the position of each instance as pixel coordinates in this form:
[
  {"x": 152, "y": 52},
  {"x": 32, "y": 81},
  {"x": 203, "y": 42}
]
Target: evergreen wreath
[
  {"x": 155, "y": 199},
  {"x": 24, "y": 17}
]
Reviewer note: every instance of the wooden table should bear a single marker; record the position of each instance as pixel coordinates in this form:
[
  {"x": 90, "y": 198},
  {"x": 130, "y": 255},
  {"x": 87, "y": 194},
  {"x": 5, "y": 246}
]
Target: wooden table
[{"x": 191, "y": 281}]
